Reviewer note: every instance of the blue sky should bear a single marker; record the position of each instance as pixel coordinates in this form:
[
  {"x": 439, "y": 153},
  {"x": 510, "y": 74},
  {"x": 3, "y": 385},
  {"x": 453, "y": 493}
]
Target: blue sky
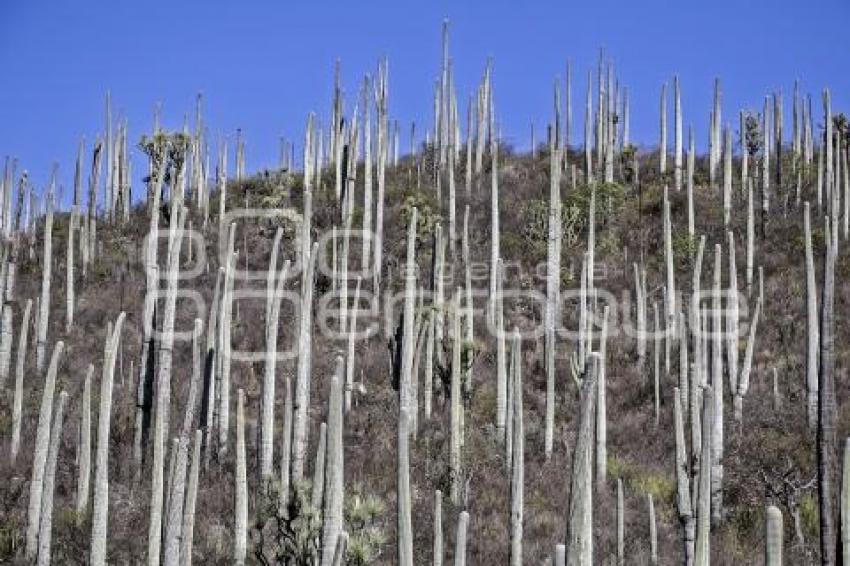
[{"x": 263, "y": 66}]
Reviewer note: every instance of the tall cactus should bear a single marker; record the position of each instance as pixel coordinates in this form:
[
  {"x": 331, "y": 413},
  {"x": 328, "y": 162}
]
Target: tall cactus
[
  {"x": 677, "y": 118},
  {"x": 653, "y": 532},
  {"x": 437, "y": 551},
  {"x": 826, "y": 406},
  {"x": 163, "y": 396},
  {"x": 811, "y": 325},
  {"x": 42, "y": 440},
  {"x": 17, "y": 402},
  {"x": 717, "y": 384},
  {"x": 274, "y": 292},
  {"x": 318, "y": 495},
  {"x": 580, "y": 520},
  {"x": 773, "y": 536},
  {"x": 456, "y": 406},
  {"x": 100, "y": 509},
  {"x": 460, "y": 540},
  {"x": 404, "y": 554},
  {"x": 240, "y": 529},
  {"x": 601, "y": 407},
  {"x": 845, "y": 504},
  {"x": 301, "y": 398},
  {"x": 84, "y": 459},
  {"x": 46, "y": 520},
  {"x": 46, "y": 274},
  {"x": 334, "y": 491},
  {"x": 553, "y": 289},
  {"x": 662, "y": 143},
  {"x": 187, "y": 532},
  {"x": 518, "y": 459},
  {"x": 686, "y": 516},
  {"x": 174, "y": 523},
  {"x": 702, "y": 547},
  {"x": 621, "y": 524}
]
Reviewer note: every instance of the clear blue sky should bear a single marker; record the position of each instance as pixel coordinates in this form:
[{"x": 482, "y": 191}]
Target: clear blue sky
[{"x": 263, "y": 66}]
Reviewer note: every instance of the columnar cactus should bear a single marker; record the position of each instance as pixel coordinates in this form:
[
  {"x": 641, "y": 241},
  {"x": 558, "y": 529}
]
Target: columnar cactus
[
  {"x": 727, "y": 177},
  {"x": 501, "y": 357},
  {"x": 381, "y": 108},
  {"x": 811, "y": 325},
  {"x": 188, "y": 530},
  {"x": 42, "y": 440},
  {"x": 84, "y": 458},
  {"x": 317, "y": 497},
  {"x": 17, "y": 402},
  {"x": 301, "y": 398},
  {"x": 404, "y": 554},
  {"x": 437, "y": 551},
  {"x": 460, "y": 541},
  {"x": 69, "y": 274},
  {"x": 773, "y": 536},
  {"x": 350, "y": 357},
  {"x": 588, "y": 130},
  {"x": 340, "y": 550},
  {"x": 163, "y": 399},
  {"x": 286, "y": 444},
  {"x": 690, "y": 182},
  {"x": 334, "y": 491},
  {"x": 518, "y": 459},
  {"x": 100, "y": 508},
  {"x": 686, "y": 516},
  {"x": 601, "y": 407},
  {"x": 845, "y": 503},
  {"x": 553, "y": 289},
  {"x": 174, "y": 523},
  {"x": 677, "y": 117},
  {"x": 717, "y": 384},
  {"x": 46, "y": 520},
  {"x": 662, "y": 143},
  {"x": 702, "y": 551},
  {"x": 240, "y": 529},
  {"x": 494, "y": 219},
  {"x": 274, "y": 290},
  {"x": 224, "y": 342},
  {"x": 580, "y": 520},
  {"x": 46, "y": 270},
  {"x": 653, "y": 532},
  {"x": 455, "y": 412},
  {"x": 826, "y": 405},
  {"x": 621, "y": 524}
]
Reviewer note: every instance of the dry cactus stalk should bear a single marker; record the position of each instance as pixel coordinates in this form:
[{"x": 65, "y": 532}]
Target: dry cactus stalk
[
  {"x": 438, "y": 528},
  {"x": 84, "y": 458},
  {"x": 17, "y": 402},
  {"x": 240, "y": 530},
  {"x": 773, "y": 536},
  {"x": 518, "y": 460},
  {"x": 460, "y": 542}
]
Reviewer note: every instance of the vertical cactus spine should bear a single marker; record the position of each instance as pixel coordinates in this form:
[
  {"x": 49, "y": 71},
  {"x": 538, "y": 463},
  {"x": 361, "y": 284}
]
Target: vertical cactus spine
[
  {"x": 683, "y": 480},
  {"x": 404, "y": 555}
]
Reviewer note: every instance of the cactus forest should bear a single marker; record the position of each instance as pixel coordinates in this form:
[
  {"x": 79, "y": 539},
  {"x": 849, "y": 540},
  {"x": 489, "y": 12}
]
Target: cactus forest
[{"x": 593, "y": 351}]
